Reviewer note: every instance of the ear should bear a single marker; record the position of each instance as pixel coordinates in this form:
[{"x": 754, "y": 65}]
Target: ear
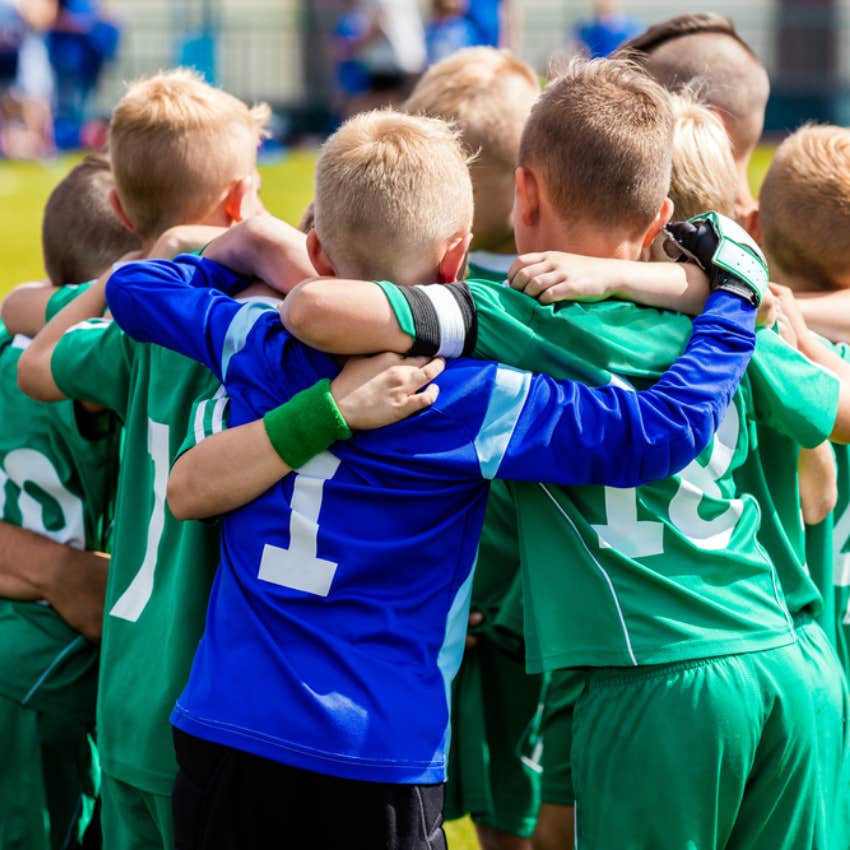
[
  {"x": 235, "y": 206},
  {"x": 658, "y": 223},
  {"x": 118, "y": 209},
  {"x": 527, "y": 196},
  {"x": 453, "y": 264},
  {"x": 318, "y": 257},
  {"x": 752, "y": 224}
]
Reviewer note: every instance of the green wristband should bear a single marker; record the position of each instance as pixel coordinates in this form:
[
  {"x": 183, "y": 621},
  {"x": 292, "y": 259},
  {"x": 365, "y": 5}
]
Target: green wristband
[{"x": 306, "y": 425}]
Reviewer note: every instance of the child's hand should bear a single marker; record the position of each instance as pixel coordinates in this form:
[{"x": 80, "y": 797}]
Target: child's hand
[
  {"x": 375, "y": 391},
  {"x": 768, "y": 314},
  {"x": 553, "y": 276},
  {"x": 792, "y": 325}
]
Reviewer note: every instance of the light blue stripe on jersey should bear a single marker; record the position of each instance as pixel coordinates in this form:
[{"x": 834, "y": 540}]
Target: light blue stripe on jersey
[
  {"x": 510, "y": 391},
  {"x": 237, "y": 334},
  {"x": 454, "y": 642}
]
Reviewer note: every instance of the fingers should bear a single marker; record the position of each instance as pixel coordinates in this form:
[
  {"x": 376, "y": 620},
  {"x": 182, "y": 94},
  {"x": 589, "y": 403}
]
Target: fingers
[{"x": 529, "y": 278}]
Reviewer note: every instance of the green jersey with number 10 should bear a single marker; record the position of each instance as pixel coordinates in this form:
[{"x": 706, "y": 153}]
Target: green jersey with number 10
[
  {"x": 56, "y": 482},
  {"x": 162, "y": 569},
  {"x": 672, "y": 570}
]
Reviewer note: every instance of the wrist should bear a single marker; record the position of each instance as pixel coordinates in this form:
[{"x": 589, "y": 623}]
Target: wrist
[{"x": 308, "y": 424}]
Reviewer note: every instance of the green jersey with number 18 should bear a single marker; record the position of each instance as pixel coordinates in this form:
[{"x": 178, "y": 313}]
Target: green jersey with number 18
[
  {"x": 672, "y": 570},
  {"x": 162, "y": 569},
  {"x": 56, "y": 482}
]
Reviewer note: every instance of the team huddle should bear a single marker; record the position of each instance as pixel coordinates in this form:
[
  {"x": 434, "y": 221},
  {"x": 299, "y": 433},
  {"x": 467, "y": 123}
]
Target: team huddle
[{"x": 513, "y": 483}]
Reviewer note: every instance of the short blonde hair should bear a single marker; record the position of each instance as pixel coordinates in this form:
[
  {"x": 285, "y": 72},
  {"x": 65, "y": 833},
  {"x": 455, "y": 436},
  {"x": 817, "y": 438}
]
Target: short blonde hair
[
  {"x": 176, "y": 146},
  {"x": 805, "y": 204},
  {"x": 487, "y": 94},
  {"x": 389, "y": 189},
  {"x": 601, "y": 135},
  {"x": 704, "y": 176}
]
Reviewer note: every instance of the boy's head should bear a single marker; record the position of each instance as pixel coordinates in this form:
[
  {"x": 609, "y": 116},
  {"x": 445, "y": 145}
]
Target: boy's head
[
  {"x": 487, "y": 94},
  {"x": 184, "y": 152},
  {"x": 704, "y": 176},
  {"x": 805, "y": 209},
  {"x": 595, "y": 161},
  {"x": 393, "y": 200},
  {"x": 80, "y": 234},
  {"x": 704, "y": 50}
]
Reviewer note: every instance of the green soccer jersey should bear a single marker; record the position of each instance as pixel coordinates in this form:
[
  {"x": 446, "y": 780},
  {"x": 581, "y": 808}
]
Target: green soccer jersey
[
  {"x": 497, "y": 587},
  {"x": 672, "y": 570},
  {"x": 770, "y": 474},
  {"x": 162, "y": 569},
  {"x": 57, "y": 482}
]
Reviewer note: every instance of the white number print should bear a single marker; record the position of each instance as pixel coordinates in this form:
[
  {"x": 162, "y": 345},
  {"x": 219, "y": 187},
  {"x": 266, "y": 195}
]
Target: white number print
[
  {"x": 642, "y": 538},
  {"x": 134, "y": 599},
  {"x": 27, "y": 466},
  {"x": 299, "y": 566}
]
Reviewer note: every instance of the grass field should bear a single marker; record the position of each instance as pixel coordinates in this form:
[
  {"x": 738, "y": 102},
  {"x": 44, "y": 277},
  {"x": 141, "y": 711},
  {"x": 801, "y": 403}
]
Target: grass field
[{"x": 287, "y": 189}]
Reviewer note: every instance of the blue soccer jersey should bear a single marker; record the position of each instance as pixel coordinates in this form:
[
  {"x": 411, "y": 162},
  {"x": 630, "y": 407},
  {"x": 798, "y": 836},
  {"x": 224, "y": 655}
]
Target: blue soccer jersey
[{"x": 338, "y": 615}]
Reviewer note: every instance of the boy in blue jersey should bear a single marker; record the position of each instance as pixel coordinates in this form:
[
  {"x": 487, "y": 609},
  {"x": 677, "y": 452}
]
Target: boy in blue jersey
[{"x": 317, "y": 707}]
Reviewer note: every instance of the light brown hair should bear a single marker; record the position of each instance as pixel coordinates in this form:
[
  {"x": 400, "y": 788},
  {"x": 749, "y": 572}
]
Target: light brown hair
[
  {"x": 80, "y": 234},
  {"x": 704, "y": 176},
  {"x": 177, "y": 145},
  {"x": 704, "y": 51},
  {"x": 389, "y": 189},
  {"x": 487, "y": 94},
  {"x": 601, "y": 137},
  {"x": 805, "y": 205}
]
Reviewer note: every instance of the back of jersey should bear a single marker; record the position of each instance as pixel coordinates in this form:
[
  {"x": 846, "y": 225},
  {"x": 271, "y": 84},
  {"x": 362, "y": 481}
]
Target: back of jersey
[
  {"x": 619, "y": 577},
  {"x": 58, "y": 483}
]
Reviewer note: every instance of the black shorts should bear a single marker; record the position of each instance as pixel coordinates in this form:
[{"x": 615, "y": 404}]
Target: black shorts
[{"x": 226, "y": 799}]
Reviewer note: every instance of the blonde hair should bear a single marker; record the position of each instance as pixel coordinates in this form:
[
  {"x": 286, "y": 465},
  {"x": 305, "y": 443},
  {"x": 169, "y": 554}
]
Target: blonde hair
[
  {"x": 703, "y": 176},
  {"x": 600, "y": 136},
  {"x": 805, "y": 204},
  {"x": 487, "y": 94},
  {"x": 177, "y": 144},
  {"x": 389, "y": 189}
]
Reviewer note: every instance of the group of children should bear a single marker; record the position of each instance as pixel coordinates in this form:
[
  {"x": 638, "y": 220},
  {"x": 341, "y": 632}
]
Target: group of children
[{"x": 604, "y": 540}]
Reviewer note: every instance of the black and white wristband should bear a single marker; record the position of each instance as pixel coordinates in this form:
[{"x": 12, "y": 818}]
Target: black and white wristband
[{"x": 444, "y": 319}]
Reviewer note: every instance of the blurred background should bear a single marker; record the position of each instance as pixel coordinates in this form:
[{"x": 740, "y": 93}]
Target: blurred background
[{"x": 63, "y": 64}]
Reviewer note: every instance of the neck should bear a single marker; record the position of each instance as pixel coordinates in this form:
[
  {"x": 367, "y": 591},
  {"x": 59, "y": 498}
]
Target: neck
[{"x": 586, "y": 238}]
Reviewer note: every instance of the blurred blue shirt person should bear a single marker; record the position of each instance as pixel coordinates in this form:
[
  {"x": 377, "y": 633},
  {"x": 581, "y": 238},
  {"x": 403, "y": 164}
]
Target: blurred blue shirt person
[
  {"x": 448, "y": 30},
  {"x": 606, "y": 30}
]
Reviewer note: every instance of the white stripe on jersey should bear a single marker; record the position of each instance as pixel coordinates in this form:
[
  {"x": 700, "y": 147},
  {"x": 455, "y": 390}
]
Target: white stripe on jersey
[
  {"x": 602, "y": 569},
  {"x": 510, "y": 391},
  {"x": 450, "y": 319},
  {"x": 240, "y": 327}
]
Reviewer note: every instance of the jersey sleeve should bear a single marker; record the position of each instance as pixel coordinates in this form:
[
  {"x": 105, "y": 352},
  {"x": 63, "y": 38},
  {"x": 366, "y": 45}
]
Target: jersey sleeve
[
  {"x": 182, "y": 305},
  {"x": 540, "y": 429},
  {"x": 92, "y": 362},
  {"x": 791, "y": 394},
  {"x": 208, "y": 417},
  {"x": 63, "y": 297}
]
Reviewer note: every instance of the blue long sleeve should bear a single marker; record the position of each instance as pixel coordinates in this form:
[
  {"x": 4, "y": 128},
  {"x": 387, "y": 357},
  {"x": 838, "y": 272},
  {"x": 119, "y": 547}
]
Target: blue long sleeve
[{"x": 568, "y": 433}]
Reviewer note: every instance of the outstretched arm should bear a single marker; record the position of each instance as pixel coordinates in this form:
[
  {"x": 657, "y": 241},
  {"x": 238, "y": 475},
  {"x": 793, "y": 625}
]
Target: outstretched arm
[
  {"x": 568, "y": 433},
  {"x": 827, "y": 313},
  {"x": 23, "y": 309},
  {"x": 233, "y": 467}
]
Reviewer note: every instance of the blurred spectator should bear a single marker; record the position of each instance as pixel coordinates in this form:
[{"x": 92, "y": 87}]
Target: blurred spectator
[
  {"x": 380, "y": 46},
  {"x": 448, "y": 30},
  {"x": 25, "y": 78},
  {"x": 81, "y": 42},
  {"x": 486, "y": 17},
  {"x": 606, "y": 30}
]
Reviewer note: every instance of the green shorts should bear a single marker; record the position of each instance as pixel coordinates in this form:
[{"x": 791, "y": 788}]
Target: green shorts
[
  {"x": 133, "y": 819},
  {"x": 494, "y": 770},
  {"x": 562, "y": 691},
  {"x": 715, "y": 753},
  {"x": 828, "y": 688},
  {"x": 48, "y": 778}
]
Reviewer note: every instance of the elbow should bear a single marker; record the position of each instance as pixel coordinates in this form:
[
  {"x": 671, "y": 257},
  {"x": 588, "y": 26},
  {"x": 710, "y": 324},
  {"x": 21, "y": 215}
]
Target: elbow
[
  {"x": 303, "y": 315},
  {"x": 35, "y": 378},
  {"x": 818, "y": 506},
  {"x": 178, "y": 495}
]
